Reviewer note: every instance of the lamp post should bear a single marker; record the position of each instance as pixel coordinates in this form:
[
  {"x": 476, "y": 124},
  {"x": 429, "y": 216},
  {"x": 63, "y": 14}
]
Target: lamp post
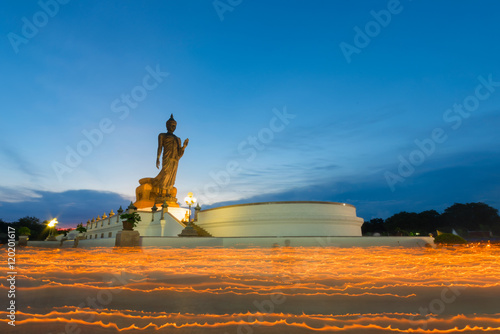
[
  {"x": 189, "y": 230},
  {"x": 190, "y": 200},
  {"x": 52, "y": 227}
]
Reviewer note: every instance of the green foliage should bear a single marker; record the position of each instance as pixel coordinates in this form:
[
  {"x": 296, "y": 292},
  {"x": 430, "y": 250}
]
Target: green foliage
[
  {"x": 35, "y": 226},
  {"x": 80, "y": 228},
  {"x": 133, "y": 217},
  {"x": 24, "y": 231},
  {"x": 44, "y": 234},
  {"x": 36, "y": 229},
  {"x": 449, "y": 239},
  {"x": 63, "y": 231}
]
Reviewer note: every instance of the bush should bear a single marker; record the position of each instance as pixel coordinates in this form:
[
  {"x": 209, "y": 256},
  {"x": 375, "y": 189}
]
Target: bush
[
  {"x": 24, "y": 231},
  {"x": 133, "y": 217},
  {"x": 80, "y": 228},
  {"x": 449, "y": 239}
]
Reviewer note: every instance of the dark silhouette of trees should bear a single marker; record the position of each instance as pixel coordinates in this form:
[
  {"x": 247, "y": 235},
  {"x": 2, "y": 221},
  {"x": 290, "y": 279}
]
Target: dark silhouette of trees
[
  {"x": 459, "y": 217},
  {"x": 38, "y": 230},
  {"x": 3, "y": 231},
  {"x": 375, "y": 225},
  {"x": 403, "y": 223},
  {"x": 472, "y": 217},
  {"x": 429, "y": 220}
]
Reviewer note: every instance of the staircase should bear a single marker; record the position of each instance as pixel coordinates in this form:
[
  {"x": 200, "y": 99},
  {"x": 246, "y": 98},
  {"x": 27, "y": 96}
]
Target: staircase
[{"x": 200, "y": 230}]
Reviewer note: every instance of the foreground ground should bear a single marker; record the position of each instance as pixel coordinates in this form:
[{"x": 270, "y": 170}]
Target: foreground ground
[{"x": 277, "y": 290}]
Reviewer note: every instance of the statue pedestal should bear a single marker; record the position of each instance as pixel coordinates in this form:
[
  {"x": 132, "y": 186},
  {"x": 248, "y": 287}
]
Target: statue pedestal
[
  {"x": 23, "y": 240},
  {"x": 126, "y": 238},
  {"x": 147, "y": 195}
]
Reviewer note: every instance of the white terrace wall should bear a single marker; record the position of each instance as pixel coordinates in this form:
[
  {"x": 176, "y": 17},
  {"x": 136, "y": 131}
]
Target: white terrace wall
[
  {"x": 151, "y": 224},
  {"x": 282, "y": 219}
]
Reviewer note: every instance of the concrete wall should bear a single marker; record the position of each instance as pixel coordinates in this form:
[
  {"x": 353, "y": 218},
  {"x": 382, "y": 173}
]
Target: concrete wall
[
  {"x": 176, "y": 242},
  {"x": 106, "y": 242},
  {"x": 287, "y": 241},
  {"x": 172, "y": 227},
  {"x": 282, "y": 219}
]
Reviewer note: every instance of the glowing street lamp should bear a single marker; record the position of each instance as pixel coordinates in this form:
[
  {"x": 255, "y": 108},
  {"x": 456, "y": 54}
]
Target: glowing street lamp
[
  {"x": 53, "y": 222},
  {"x": 52, "y": 228},
  {"x": 189, "y": 230},
  {"x": 190, "y": 200}
]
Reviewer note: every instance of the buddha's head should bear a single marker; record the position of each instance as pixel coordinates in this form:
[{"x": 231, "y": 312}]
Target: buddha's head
[{"x": 171, "y": 124}]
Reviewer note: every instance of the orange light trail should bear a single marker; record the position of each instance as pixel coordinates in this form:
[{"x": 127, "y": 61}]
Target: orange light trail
[{"x": 257, "y": 290}]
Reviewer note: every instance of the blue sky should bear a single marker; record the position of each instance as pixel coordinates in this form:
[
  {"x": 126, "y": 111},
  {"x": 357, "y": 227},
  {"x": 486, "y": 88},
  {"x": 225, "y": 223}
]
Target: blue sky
[{"x": 386, "y": 105}]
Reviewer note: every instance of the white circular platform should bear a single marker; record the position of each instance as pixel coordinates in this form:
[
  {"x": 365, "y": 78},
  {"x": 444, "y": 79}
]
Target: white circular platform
[{"x": 282, "y": 219}]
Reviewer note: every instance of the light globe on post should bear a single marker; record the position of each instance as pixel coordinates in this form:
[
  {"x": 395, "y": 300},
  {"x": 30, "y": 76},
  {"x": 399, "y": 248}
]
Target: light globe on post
[
  {"x": 52, "y": 228},
  {"x": 189, "y": 230},
  {"x": 190, "y": 200}
]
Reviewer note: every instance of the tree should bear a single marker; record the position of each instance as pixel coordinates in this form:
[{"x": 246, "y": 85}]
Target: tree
[
  {"x": 429, "y": 221},
  {"x": 80, "y": 228},
  {"x": 472, "y": 217},
  {"x": 375, "y": 225},
  {"x": 33, "y": 223},
  {"x": 403, "y": 223},
  {"x": 4, "y": 227}
]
